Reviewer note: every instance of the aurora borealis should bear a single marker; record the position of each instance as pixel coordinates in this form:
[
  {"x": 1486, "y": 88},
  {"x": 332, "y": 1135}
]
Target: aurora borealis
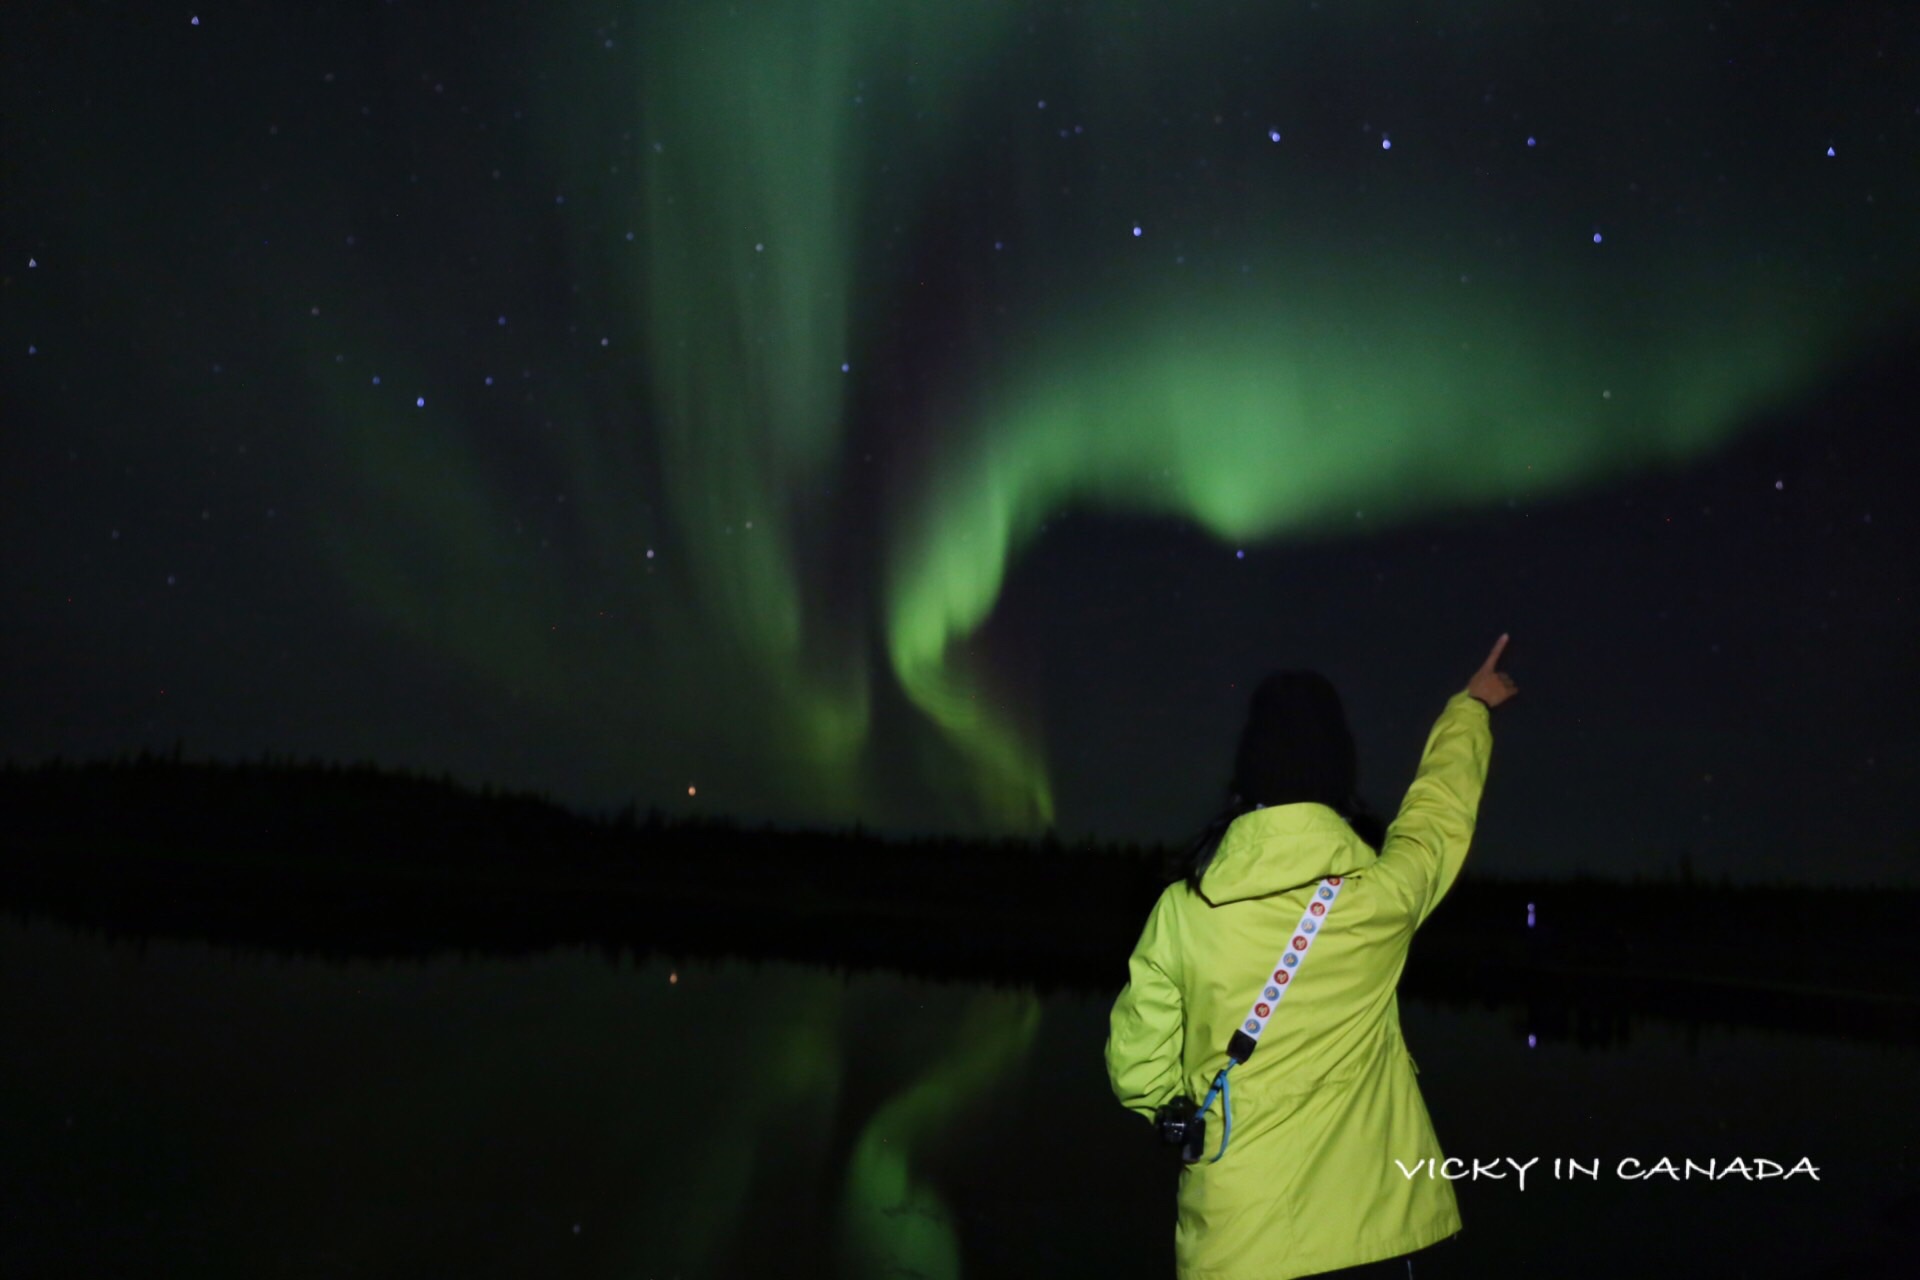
[{"x": 666, "y": 401}]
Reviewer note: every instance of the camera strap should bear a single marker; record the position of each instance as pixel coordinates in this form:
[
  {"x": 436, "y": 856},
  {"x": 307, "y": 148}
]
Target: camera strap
[{"x": 1246, "y": 1037}]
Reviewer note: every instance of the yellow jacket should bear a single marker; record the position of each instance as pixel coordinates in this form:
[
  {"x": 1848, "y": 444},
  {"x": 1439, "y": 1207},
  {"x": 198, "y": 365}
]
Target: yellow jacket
[{"x": 1329, "y": 1102}]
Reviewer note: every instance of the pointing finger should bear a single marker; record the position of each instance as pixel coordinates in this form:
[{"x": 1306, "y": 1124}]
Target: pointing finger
[{"x": 1493, "y": 658}]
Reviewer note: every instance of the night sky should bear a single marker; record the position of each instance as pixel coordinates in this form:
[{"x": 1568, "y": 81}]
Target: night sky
[{"x": 940, "y": 415}]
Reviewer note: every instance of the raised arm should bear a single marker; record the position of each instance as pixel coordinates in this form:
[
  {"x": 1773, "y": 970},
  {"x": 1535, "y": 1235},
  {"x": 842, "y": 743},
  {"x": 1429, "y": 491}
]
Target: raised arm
[
  {"x": 1145, "y": 1040},
  {"x": 1427, "y": 843}
]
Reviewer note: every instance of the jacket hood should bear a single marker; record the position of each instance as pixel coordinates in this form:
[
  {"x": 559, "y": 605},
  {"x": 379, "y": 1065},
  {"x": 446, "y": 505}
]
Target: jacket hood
[{"x": 1282, "y": 847}]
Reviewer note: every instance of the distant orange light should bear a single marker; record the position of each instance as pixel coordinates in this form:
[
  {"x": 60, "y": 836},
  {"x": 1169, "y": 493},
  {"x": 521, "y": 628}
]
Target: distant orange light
[
  {"x": 673, "y": 979},
  {"x": 689, "y": 790}
]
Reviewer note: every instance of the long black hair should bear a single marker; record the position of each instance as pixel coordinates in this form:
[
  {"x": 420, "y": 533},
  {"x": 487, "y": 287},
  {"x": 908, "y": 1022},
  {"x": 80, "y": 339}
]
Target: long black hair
[{"x": 1296, "y": 747}]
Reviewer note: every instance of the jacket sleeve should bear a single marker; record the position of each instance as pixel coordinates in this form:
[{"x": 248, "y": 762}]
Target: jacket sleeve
[
  {"x": 1427, "y": 843},
  {"x": 1145, "y": 1036}
]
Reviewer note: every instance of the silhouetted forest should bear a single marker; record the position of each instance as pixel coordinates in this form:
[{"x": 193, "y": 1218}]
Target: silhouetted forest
[{"x": 355, "y": 861}]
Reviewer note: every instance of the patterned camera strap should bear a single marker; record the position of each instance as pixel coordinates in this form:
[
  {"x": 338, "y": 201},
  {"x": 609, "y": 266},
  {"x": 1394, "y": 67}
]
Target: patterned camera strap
[{"x": 1247, "y": 1037}]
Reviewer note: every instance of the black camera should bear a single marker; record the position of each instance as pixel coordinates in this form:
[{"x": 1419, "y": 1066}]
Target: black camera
[{"x": 1181, "y": 1127}]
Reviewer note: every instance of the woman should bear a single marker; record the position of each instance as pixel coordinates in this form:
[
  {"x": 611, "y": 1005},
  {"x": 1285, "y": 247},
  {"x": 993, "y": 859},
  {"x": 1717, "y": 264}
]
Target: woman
[{"x": 1309, "y": 1182}]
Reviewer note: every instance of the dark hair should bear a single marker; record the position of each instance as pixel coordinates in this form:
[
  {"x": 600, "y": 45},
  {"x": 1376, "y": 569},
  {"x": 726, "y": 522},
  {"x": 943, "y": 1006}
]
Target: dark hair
[{"x": 1296, "y": 747}]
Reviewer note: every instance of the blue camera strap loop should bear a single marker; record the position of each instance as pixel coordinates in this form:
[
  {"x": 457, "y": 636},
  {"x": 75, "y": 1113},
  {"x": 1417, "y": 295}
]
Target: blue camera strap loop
[
  {"x": 1226, "y": 1108},
  {"x": 1246, "y": 1037}
]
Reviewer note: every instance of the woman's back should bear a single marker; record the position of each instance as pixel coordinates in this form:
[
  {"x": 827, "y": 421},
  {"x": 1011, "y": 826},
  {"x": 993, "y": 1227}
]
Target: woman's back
[{"x": 1328, "y": 1104}]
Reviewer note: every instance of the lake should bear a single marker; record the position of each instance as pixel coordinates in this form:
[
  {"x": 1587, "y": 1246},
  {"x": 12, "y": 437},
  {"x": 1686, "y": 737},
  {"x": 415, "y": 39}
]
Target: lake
[{"x": 177, "y": 1108}]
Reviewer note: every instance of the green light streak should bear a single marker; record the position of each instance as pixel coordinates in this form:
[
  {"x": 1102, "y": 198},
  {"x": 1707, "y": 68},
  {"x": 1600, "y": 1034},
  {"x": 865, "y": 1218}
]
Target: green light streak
[
  {"x": 1319, "y": 411},
  {"x": 753, "y": 188},
  {"x": 893, "y": 1221}
]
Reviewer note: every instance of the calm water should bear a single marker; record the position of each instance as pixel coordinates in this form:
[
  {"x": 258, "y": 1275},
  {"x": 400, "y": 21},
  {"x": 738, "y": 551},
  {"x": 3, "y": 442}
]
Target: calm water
[{"x": 181, "y": 1109}]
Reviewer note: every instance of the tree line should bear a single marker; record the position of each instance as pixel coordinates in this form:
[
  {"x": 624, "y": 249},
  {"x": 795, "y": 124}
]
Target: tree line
[{"x": 355, "y": 861}]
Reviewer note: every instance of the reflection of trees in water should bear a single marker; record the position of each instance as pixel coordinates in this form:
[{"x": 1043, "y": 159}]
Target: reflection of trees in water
[{"x": 366, "y": 864}]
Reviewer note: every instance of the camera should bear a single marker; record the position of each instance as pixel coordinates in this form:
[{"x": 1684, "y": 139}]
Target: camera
[{"x": 1182, "y": 1128}]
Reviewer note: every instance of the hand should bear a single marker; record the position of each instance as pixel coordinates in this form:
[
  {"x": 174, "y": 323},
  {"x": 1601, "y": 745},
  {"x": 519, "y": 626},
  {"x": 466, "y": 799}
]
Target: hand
[{"x": 1490, "y": 686}]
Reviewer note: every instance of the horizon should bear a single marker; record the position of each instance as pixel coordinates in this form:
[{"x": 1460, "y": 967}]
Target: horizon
[{"x": 1676, "y": 868}]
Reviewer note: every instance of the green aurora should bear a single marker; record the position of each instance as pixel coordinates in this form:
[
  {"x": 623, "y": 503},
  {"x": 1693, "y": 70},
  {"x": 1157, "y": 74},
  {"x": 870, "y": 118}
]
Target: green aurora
[{"x": 1332, "y": 331}]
